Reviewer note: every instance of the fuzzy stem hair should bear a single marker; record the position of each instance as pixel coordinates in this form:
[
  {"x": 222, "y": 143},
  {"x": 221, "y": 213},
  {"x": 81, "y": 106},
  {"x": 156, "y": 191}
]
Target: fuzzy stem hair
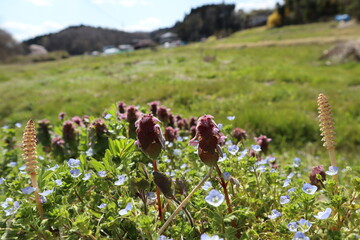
[{"x": 30, "y": 156}]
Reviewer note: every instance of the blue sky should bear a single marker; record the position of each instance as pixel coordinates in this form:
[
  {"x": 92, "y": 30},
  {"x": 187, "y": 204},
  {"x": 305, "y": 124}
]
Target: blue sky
[{"x": 29, "y": 18}]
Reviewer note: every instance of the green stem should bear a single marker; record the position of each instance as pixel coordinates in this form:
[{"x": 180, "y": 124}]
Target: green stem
[{"x": 162, "y": 229}]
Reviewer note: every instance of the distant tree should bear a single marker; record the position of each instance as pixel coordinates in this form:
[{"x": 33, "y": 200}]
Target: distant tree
[{"x": 8, "y": 46}]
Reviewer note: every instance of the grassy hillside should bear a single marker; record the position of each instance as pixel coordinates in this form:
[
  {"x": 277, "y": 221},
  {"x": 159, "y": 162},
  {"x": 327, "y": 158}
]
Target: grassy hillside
[{"x": 271, "y": 90}]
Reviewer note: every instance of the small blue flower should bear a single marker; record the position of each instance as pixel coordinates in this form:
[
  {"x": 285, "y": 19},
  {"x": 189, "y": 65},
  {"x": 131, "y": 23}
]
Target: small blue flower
[
  {"x": 58, "y": 182},
  {"x": 287, "y": 182},
  {"x": 230, "y": 118},
  {"x": 261, "y": 168},
  {"x": 73, "y": 163},
  {"x": 226, "y": 176},
  {"x": 41, "y": 157},
  {"x": 183, "y": 166},
  {"x": 102, "y": 173},
  {"x": 47, "y": 192},
  {"x": 292, "y": 227},
  {"x": 54, "y": 167},
  {"x": 256, "y": 148},
  {"x": 162, "y": 237},
  {"x": 12, "y": 164},
  {"x": 215, "y": 198},
  {"x": 18, "y": 125},
  {"x": 233, "y": 149},
  {"x": 305, "y": 225},
  {"x": 274, "y": 214},
  {"x": 284, "y": 199},
  {"x": 323, "y": 215},
  {"x": 87, "y": 176},
  {"x": 22, "y": 168},
  {"x": 291, "y": 175},
  {"x": 204, "y": 236},
  {"x": 291, "y": 190},
  {"x": 121, "y": 180},
  {"x": 89, "y": 152},
  {"x": 10, "y": 206},
  {"x": 220, "y": 126},
  {"x": 332, "y": 171},
  {"x": 28, "y": 190},
  {"x": 262, "y": 162},
  {"x": 297, "y": 162},
  {"x": 151, "y": 195},
  {"x": 222, "y": 158},
  {"x": 309, "y": 189},
  {"x": 177, "y": 152},
  {"x": 243, "y": 154},
  {"x": 127, "y": 209},
  {"x": 300, "y": 236},
  {"x": 179, "y": 139},
  {"x": 107, "y": 116},
  {"x": 206, "y": 185},
  {"x": 2, "y": 180},
  {"x": 43, "y": 199},
  {"x": 103, "y": 205},
  {"x": 75, "y": 173}
]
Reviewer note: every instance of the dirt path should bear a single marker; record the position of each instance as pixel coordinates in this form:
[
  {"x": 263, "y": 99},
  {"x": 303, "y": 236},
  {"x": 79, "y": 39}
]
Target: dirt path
[{"x": 289, "y": 42}]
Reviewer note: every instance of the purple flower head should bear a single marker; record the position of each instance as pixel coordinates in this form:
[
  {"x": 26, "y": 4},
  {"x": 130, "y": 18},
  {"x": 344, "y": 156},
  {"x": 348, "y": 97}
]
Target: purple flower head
[
  {"x": 171, "y": 122},
  {"x": 121, "y": 180},
  {"x": 284, "y": 199},
  {"x": 149, "y": 136},
  {"x": 99, "y": 127},
  {"x": 182, "y": 124},
  {"x": 274, "y": 214},
  {"x": 323, "y": 215},
  {"x": 193, "y": 131},
  {"x": 215, "y": 198},
  {"x": 86, "y": 120},
  {"x": 332, "y": 171},
  {"x": 318, "y": 170},
  {"x": 170, "y": 134},
  {"x": 163, "y": 114},
  {"x": 192, "y": 122},
  {"x": 239, "y": 134},
  {"x": 132, "y": 114},
  {"x": 304, "y": 224},
  {"x": 28, "y": 190},
  {"x": 69, "y": 132},
  {"x": 292, "y": 227},
  {"x": 73, "y": 163},
  {"x": 263, "y": 142},
  {"x": 208, "y": 138},
  {"x": 121, "y": 106},
  {"x": 58, "y": 142},
  {"x": 300, "y": 236},
  {"x": 309, "y": 189},
  {"x": 77, "y": 120},
  {"x": 62, "y": 116},
  {"x": 153, "y": 107},
  {"x": 75, "y": 173}
]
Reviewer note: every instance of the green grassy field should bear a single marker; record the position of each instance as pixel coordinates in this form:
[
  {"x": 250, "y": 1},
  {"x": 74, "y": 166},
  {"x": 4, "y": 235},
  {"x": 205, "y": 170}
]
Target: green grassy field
[{"x": 270, "y": 90}]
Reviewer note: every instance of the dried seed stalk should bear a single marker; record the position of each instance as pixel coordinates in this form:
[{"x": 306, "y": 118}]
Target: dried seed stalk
[
  {"x": 327, "y": 127},
  {"x": 29, "y": 149}
]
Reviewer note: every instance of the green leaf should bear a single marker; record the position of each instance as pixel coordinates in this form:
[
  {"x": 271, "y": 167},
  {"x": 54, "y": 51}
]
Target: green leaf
[{"x": 96, "y": 165}]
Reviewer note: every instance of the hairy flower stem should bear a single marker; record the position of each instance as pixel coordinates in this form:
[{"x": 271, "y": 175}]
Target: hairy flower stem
[
  {"x": 191, "y": 220},
  {"x": 29, "y": 149},
  {"x": 158, "y": 194},
  {"x": 177, "y": 210}
]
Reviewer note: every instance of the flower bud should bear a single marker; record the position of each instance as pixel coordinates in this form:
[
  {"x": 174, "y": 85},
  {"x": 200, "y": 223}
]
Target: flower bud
[
  {"x": 154, "y": 107},
  {"x": 239, "y": 134},
  {"x": 121, "y": 107},
  {"x": 170, "y": 134},
  {"x": 69, "y": 133},
  {"x": 77, "y": 120},
  {"x": 318, "y": 170},
  {"x": 149, "y": 136},
  {"x": 62, "y": 116},
  {"x": 164, "y": 183},
  {"x": 163, "y": 114},
  {"x": 263, "y": 142}
]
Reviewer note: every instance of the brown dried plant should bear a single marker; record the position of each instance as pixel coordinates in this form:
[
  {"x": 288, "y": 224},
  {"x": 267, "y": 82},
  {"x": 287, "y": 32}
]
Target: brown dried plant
[
  {"x": 29, "y": 155},
  {"x": 327, "y": 127}
]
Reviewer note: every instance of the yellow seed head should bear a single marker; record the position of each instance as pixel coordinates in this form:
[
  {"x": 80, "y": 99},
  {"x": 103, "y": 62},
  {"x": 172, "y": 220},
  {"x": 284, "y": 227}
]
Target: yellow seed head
[
  {"x": 326, "y": 122},
  {"x": 29, "y": 147}
]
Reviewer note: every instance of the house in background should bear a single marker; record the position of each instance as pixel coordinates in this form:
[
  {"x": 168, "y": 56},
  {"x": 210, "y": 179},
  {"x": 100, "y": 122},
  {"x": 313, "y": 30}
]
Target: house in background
[{"x": 168, "y": 37}]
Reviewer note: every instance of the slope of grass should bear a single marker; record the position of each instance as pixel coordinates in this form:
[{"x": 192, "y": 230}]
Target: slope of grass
[{"x": 271, "y": 90}]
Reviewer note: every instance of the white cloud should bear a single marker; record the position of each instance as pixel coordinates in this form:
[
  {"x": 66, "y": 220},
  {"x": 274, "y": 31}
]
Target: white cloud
[
  {"x": 248, "y": 5},
  {"x": 22, "y": 31},
  {"x": 147, "y": 24},
  {"x": 125, "y": 3},
  {"x": 41, "y": 2}
]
